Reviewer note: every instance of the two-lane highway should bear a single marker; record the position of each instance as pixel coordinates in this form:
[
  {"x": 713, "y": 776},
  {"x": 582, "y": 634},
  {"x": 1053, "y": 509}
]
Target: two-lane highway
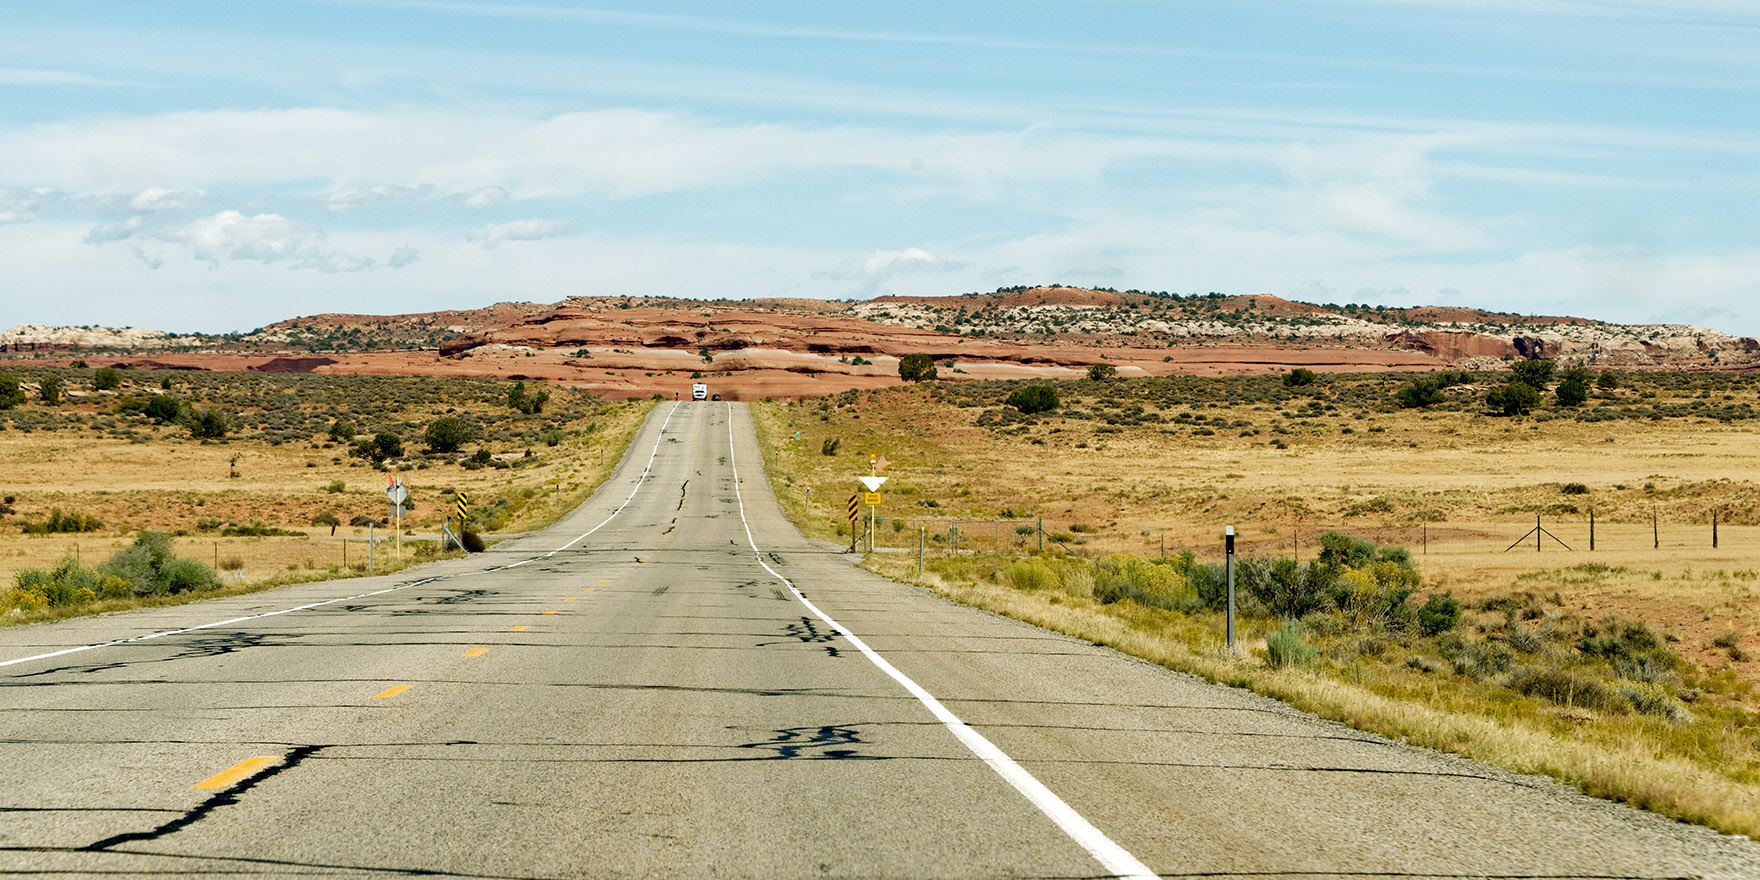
[{"x": 672, "y": 682}]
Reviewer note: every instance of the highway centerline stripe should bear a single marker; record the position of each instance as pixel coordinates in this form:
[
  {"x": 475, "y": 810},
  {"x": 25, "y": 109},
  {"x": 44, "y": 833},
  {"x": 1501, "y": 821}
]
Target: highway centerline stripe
[
  {"x": 571, "y": 599},
  {"x": 428, "y": 580},
  {"x": 246, "y": 767},
  {"x": 475, "y": 652},
  {"x": 1114, "y": 858},
  {"x": 392, "y": 691},
  {"x": 550, "y": 611},
  {"x": 520, "y": 628}
]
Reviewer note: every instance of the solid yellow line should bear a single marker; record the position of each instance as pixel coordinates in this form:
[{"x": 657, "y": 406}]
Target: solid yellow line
[
  {"x": 550, "y": 611},
  {"x": 571, "y": 599},
  {"x": 390, "y": 692},
  {"x": 236, "y": 772},
  {"x": 474, "y": 652},
  {"x": 518, "y": 628}
]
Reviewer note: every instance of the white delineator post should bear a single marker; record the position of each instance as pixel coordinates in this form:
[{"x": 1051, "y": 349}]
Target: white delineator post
[{"x": 1228, "y": 538}]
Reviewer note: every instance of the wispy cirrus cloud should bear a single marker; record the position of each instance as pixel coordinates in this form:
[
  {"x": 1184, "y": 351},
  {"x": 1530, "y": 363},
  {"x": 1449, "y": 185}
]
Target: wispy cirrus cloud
[
  {"x": 233, "y": 236},
  {"x": 361, "y": 197}
]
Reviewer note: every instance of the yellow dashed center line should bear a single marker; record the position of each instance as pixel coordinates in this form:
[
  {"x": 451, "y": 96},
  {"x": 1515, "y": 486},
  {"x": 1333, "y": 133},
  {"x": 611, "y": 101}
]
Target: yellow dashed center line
[
  {"x": 392, "y": 691},
  {"x": 571, "y": 599},
  {"x": 601, "y": 582},
  {"x": 475, "y": 652},
  {"x": 236, "y": 772},
  {"x": 549, "y": 611},
  {"x": 519, "y": 628}
]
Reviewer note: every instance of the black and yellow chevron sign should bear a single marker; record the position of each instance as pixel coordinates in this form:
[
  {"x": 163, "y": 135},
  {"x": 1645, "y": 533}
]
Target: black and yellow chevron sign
[
  {"x": 855, "y": 504},
  {"x": 464, "y": 503}
]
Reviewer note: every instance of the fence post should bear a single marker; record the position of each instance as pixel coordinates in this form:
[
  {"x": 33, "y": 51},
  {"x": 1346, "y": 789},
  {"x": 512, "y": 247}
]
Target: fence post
[
  {"x": 1041, "y": 534},
  {"x": 1655, "y": 533},
  {"x": 1591, "y": 530},
  {"x": 1714, "y": 528},
  {"x": 920, "y": 536},
  {"x": 1228, "y": 537}
]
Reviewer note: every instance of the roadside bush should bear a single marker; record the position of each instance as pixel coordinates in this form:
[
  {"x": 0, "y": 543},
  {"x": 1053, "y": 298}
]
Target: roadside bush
[
  {"x": 1286, "y": 648},
  {"x": 1033, "y": 399},
  {"x": 1030, "y": 575},
  {"x": 49, "y": 391},
  {"x": 1565, "y": 688},
  {"x": 106, "y": 379},
  {"x": 1420, "y": 393},
  {"x": 380, "y": 447},
  {"x": 473, "y": 542},
  {"x": 530, "y": 404},
  {"x": 1299, "y": 377},
  {"x": 829, "y": 447},
  {"x": 66, "y": 584},
  {"x": 1285, "y": 587},
  {"x": 151, "y": 569},
  {"x": 1572, "y": 393},
  {"x": 1476, "y": 659},
  {"x": 1102, "y": 371},
  {"x": 341, "y": 431}
]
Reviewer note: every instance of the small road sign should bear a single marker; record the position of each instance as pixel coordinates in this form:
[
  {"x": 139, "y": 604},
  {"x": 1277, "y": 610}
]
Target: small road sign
[
  {"x": 464, "y": 503},
  {"x": 854, "y": 507},
  {"x": 873, "y": 483},
  {"x": 397, "y": 492},
  {"x": 871, "y": 498}
]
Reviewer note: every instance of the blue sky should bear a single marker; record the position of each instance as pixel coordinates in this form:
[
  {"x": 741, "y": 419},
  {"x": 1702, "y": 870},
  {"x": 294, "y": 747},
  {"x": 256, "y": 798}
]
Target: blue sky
[{"x": 217, "y": 166}]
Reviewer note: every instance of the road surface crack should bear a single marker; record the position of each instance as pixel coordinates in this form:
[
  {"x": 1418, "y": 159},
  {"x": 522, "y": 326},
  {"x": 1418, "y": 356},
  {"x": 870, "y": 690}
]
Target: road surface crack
[{"x": 200, "y": 811}]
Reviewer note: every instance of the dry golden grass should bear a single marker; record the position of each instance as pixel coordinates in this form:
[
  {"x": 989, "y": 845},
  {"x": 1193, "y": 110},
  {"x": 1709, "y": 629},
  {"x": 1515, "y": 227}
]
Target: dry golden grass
[
  {"x": 1455, "y": 486},
  {"x": 177, "y": 484}
]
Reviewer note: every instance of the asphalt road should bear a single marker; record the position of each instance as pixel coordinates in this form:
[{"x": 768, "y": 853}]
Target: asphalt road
[{"x": 673, "y": 682}]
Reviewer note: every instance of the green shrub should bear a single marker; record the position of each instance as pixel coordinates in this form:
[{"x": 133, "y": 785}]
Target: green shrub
[
  {"x": 208, "y": 424},
  {"x": 1102, "y": 371},
  {"x": 1420, "y": 393},
  {"x": 448, "y": 433},
  {"x": 1513, "y": 399},
  {"x": 59, "y": 523},
  {"x": 106, "y": 379},
  {"x": 1299, "y": 377},
  {"x": 1534, "y": 374},
  {"x": 49, "y": 391},
  {"x": 1285, "y": 587},
  {"x": 1033, "y": 399},
  {"x": 1574, "y": 489},
  {"x": 1286, "y": 648},
  {"x": 380, "y": 447},
  {"x": 161, "y": 409},
  {"x": 829, "y": 447},
  {"x": 1439, "y": 614},
  {"x": 336, "y": 487},
  {"x": 1476, "y": 659},
  {"x": 11, "y": 393},
  {"x": 916, "y": 368},
  {"x": 1572, "y": 393},
  {"x": 473, "y": 542},
  {"x": 1566, "y": 688},
  {"x": 1029, "y": 574},
  {"x": 327, "y": 518},
  {"x": 341, "y": 431},
  {"x": 530, "y": 404}
]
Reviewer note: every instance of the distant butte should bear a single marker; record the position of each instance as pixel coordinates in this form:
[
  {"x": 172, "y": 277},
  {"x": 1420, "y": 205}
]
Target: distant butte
[{"x": 622, "y": 347}]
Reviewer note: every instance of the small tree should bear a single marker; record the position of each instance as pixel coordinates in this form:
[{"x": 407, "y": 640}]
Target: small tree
[
  {"x": 162, "y": 409},
  {"x": 1572, "y": 392},
  {"x": 342, "y": 431},
  {"x": 530, "y": 404},
  {"x": 49, "y": 391},
  {"x": 1534, "y": 374},
  {"x": 208, "y": 424},
  {"x": 1033, "y": 399},
  {"x": 447, "y": 434},
  {"x": 106, "y": 379},
  {"x": 916, "y": 368},
  {"x": 1102, "y": 371},
  {"x": 1607, "y": 381},
  {"x": 1420, "y": 393},
  {"x": 379, "y": 447},
  {"x": 1514, "y": 399},
  {"x": 1298, "y": 377},
  {"x": 11, "y": 394},
  {"x": 327, "y": 519}
]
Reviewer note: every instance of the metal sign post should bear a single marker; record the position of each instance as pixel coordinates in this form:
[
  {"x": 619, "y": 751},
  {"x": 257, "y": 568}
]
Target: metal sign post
[
  {"x": 464, "y": 502},
  {"x": 398, "y": 493},
  {"x": 1228, "y": 537},
  {"x": 872, "y": 499}
]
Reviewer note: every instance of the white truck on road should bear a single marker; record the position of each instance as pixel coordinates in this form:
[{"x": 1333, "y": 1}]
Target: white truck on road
[{"x": 699, "y": 391}]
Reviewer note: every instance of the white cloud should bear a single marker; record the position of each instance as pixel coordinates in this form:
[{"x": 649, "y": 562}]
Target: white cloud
[
  {"x": 876, "y": 270},
  {"x": 482, "y": 197},
  {"x": 348, "y": 200},
  {"x": 403, "y": 256},
  {"x": 21, "y": 204},
  {"x": 231, "y": 236},
  {"x": 494, "y": 234},
  {"x": 159, "y": 198}
]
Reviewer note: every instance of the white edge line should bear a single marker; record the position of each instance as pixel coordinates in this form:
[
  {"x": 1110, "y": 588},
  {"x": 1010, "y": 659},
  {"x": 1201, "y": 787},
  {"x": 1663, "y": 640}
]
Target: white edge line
[
  {"x": 1114, "y": 858},
  {"x": 428, "y": 580}
]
